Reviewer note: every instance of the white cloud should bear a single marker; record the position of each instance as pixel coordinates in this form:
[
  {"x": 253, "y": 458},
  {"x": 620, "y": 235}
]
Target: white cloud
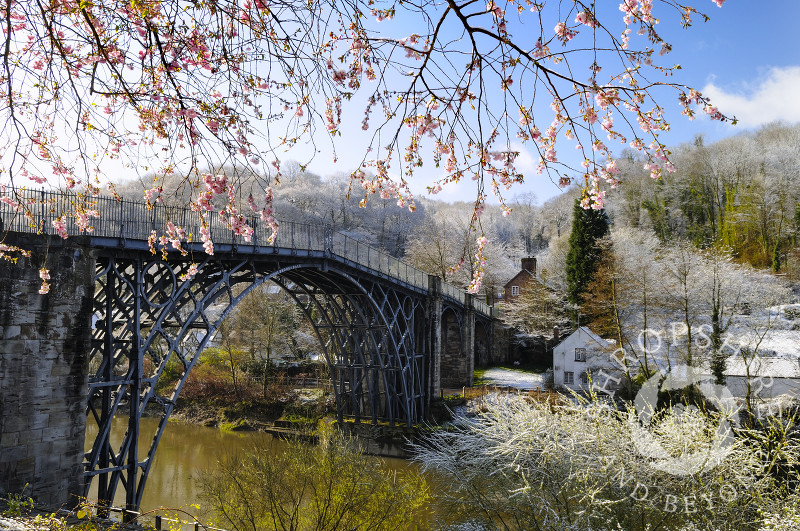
[
  {"x": 525, "y": 163},
  {"x": 774, "y": 97}
]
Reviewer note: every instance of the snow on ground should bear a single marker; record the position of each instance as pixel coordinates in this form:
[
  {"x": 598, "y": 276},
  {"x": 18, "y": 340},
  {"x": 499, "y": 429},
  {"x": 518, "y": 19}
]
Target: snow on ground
[{"x": 511, "y": 378}]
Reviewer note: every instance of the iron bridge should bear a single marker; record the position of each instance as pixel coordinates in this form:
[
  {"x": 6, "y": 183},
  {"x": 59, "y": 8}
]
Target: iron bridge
[{"x": 379, "y": 321}]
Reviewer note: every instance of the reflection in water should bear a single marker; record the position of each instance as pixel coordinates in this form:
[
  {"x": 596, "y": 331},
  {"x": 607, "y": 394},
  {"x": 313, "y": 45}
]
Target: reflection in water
[{"x": 184, "y": 451}]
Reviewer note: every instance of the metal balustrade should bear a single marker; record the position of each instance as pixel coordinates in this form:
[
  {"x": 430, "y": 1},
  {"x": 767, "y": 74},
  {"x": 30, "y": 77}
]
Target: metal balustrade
[{"x": 128, "y": 220}]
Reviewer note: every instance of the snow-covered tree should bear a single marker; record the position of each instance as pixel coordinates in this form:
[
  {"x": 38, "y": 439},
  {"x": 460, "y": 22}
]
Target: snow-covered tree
[
  {"x": 522, "y": 464},
  {"x": 536, "y": 310}
]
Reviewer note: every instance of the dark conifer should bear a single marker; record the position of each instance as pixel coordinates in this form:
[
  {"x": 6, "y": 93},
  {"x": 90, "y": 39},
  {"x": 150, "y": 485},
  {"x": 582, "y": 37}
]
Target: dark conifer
[{"x": 588, "y": 226}]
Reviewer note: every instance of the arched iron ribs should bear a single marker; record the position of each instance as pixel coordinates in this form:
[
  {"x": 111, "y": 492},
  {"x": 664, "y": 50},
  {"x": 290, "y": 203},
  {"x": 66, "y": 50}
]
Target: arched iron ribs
[{"x": 372, "y": 332}]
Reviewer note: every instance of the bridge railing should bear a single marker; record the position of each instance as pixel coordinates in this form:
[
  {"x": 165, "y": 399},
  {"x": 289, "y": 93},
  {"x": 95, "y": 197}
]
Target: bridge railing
[
  {"x": 449, "y": 290},
  {"x": 129, "y": 220},
  {"x": 358, "y": 252},
  {"x": 482, "y": 307}
]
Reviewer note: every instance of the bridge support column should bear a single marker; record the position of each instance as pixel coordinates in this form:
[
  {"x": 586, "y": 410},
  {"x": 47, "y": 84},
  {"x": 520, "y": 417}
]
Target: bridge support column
[
  {"x": 44, "y": 343},
  {"x": 435, "y": 337},
  {"x": 469, "y": 338}
]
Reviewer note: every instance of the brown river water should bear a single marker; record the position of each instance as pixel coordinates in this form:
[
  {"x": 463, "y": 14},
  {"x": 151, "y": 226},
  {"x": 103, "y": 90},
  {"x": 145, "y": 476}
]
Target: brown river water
[{"x": 184, "y": 451}]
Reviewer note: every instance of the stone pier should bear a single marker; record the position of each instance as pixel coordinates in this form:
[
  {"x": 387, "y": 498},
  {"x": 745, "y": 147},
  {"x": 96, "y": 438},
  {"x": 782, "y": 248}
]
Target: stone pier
[
  {"x": 452, "y": 342},
  {"x": 44, "y": 343}
]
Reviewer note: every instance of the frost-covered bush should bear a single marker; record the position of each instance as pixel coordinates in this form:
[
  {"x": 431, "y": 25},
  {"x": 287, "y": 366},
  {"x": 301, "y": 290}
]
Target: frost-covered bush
[{"x": 522, "y": 464}]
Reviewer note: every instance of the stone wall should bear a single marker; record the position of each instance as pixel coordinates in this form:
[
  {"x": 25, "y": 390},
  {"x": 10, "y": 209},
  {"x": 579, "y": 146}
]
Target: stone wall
[
  {"x": 455, "y": 371},
  {"x": 44, "y": 341}
]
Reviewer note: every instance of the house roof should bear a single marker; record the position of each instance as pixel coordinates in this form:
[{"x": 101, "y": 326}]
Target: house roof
[
  {"x": 763, "y": 367},
  {"x": 602, "y": 343},
  {"x": 524, "y": 275}
]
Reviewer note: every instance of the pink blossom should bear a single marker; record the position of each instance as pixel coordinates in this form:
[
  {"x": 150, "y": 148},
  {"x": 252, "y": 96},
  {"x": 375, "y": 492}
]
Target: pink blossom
[
  {"x": 190, "y": 273},
  {"x": 82, "y": 219},
  {"x": 37, "y": 179},
  {"x": 152, "y": 192},
  {"x": 563, "y": 32},
  {"x": 61, "y": 227},
  {"x": 713, "y": 112},
  {"x": 586, "y": 18},
  {"x": 539, "y": 50},
  {"x": 44, "y": 274},
  {"x": 205, "y": 235},
  {"x": 493, "y": 8},
  {"x": 217, "y": 185}
]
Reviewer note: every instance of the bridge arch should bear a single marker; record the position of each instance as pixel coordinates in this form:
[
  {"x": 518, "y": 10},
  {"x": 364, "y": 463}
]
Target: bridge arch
[{"x": 147, "y": 310}]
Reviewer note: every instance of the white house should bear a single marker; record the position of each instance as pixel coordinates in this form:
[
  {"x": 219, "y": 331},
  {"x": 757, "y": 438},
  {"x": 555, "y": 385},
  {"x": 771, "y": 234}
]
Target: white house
[
  {"x": 577, "y": 355},
  {"x": 769, "y": 377}
]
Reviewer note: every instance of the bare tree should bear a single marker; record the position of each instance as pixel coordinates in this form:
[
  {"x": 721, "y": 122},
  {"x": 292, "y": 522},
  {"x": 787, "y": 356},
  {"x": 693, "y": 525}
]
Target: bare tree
[
  {"x": 681, "y": 286},
  {"x": 177, "y": 87},
  {"x": 521, "y": 464}
]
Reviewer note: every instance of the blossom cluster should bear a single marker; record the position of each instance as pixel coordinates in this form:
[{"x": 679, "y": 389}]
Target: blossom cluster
[
  {"x": 480, "y": 269},
  {"x": 179, "y": 84}
]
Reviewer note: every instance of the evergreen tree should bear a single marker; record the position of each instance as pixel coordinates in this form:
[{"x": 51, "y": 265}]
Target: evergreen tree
[{"x": 588, "y": 226}]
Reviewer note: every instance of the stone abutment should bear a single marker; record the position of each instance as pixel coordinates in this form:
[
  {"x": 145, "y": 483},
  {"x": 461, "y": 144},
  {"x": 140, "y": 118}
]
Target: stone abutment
[{"x": 44, "y": 342}]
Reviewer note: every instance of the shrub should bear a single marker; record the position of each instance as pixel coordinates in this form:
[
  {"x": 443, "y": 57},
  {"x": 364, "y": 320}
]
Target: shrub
[
  {"x": 208, "y": 381},
  {"x": 521, "y": 464},
  {"x": 332, "y": 486}
]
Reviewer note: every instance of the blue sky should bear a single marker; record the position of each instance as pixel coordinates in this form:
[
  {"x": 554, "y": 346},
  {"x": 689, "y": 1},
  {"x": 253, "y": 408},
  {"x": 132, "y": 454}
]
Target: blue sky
[{"x": 746, "y": 58}]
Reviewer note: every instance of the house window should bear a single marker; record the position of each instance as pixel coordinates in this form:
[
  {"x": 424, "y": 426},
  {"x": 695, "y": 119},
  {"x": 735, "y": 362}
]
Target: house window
[
  {"x": 514, "y": 291},
  {"x": 569, "y": 378},
  {"x": 580, "y": 354},
  {"x": 585, "y": 378}
]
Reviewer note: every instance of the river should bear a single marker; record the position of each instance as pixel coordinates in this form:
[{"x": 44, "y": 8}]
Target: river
[{"x": 184, "y": 451}]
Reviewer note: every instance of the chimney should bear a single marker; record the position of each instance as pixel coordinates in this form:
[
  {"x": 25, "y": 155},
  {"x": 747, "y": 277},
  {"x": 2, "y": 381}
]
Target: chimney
[
  {"x": 529, "y": 264},
  {"x": 555, "y": 335}
]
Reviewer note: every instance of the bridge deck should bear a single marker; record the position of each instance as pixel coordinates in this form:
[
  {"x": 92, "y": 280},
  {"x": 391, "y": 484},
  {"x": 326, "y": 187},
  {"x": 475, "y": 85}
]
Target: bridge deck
[{"x": 130, "y": 225}]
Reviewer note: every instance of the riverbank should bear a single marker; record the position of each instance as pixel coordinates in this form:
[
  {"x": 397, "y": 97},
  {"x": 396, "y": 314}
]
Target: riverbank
[
  {"x": 288, "y": 411},
  {"x": 296, "y": 414},
  {"x": 287, "y": 406}
]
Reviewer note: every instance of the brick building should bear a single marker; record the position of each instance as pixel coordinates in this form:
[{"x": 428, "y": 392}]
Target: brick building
[{"x": 526, "y": 275}]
